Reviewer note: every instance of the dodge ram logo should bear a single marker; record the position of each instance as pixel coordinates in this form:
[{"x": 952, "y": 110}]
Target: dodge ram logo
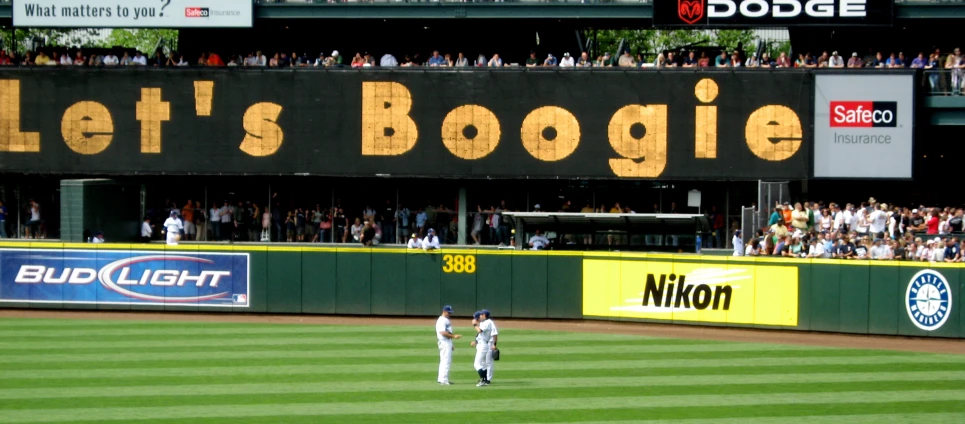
[{"x": 690, "y": 11}]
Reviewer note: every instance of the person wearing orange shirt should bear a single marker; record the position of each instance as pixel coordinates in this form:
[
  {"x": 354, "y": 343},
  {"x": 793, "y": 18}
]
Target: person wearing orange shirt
[{"x": 187, "y": 215}]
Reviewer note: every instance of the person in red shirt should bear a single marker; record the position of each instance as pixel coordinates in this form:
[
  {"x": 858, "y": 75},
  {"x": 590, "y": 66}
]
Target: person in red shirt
[
  {"x": 215, "y": 60},
  {"x": 932, "y": 222}
]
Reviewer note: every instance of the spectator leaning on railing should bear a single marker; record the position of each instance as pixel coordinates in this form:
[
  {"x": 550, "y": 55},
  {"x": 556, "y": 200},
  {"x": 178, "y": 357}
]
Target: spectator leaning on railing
[{"x": 873, "y": 231}]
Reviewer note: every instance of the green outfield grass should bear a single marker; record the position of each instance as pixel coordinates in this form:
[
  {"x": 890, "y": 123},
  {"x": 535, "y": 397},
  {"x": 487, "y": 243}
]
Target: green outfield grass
[{"x": 83, "y": 371}]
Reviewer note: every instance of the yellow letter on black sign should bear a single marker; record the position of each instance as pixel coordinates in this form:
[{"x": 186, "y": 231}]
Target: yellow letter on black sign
[
  {"x": 773, "y": 133},
  {"x": 639, "y": 134},
  {"x": 87, "y": 128},
  {"x": 151, "y": 112},
  {"x": 387, "y": 128},
  {"x": 11, "y": 139},
  {"x": 263, "y": 136}
]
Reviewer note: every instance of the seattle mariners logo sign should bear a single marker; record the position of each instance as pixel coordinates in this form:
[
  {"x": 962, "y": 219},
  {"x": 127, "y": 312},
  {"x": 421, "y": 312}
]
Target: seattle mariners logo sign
[
  {"x": 690, "y": 11},
  {"x": 928, "y": 300}
]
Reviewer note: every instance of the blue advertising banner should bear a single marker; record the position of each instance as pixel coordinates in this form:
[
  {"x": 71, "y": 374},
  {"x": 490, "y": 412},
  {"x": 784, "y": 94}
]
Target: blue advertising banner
[{"x": 124, "y": 277}]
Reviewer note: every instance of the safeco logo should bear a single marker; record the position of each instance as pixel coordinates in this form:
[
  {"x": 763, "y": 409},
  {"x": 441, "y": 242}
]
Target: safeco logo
[
  {"x": 864, "y": 114},
  {"x": 196, "y": 12}
]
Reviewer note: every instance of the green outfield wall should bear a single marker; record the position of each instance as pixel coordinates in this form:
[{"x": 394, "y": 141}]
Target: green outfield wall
[{"x": 860, "y": 297}]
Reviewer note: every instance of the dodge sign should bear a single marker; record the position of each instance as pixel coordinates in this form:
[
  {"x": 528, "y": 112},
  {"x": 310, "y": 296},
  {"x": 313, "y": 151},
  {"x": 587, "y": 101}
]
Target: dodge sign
[{"x": 758, "y": 13}]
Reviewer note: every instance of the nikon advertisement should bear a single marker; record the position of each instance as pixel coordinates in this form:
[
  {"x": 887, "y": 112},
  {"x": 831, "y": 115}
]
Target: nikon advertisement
[
  {"x": 475, "y": 124},
  {"x": 734, "y": 293}
]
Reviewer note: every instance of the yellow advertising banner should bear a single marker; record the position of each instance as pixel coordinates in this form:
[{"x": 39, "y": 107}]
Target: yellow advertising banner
[{"x": 735, "y": 293}]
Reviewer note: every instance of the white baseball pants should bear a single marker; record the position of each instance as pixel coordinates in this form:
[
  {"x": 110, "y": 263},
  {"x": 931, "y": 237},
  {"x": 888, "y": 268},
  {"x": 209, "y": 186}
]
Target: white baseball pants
[{"x": 445, "y": 361}]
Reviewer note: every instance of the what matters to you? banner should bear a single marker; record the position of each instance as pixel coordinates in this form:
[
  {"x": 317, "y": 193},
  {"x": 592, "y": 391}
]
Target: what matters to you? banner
[{"x": 133, "y": 13}]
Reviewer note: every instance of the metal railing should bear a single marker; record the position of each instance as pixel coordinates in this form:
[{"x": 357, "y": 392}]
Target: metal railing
[{"x": 943, "y": 82}]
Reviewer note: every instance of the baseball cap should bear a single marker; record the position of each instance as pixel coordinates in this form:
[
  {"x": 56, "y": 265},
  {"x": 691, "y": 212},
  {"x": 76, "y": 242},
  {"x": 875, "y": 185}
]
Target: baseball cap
[
  {"x": 486, "y": 312},
  {"x": 334, "y": 52},
  {"x": 537, "y": 206},
  {"x": 855, "y": 54},
  {"x": 567, "y": 54},
  {"x": 447, "y": 308},
  {"x": 173, "y": 213},
  {"x": 476, "y": 315},
  {"x": 834, "y": 53},
  {"x": 432, "y": 231},
  {"x": 914, "y": 211}
]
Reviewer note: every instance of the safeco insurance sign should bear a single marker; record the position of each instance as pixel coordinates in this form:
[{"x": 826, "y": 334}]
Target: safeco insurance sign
[
  {"x": 735, "y": 293},
  {"x": 133, "y": 13}
]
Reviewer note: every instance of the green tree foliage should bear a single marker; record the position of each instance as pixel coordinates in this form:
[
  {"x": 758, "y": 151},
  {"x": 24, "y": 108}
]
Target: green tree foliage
[
  {"x": 145, "y": 40},
  {"x": 23, "y": 39},
  {"x": 654, "y": 41},
  {"x": 730, "y": 38}
]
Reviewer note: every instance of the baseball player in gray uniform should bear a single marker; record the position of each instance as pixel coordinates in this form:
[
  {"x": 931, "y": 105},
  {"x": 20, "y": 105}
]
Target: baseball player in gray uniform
[
  {"x": 483, "y": 345},
  {"x": 492, "y": 344}
]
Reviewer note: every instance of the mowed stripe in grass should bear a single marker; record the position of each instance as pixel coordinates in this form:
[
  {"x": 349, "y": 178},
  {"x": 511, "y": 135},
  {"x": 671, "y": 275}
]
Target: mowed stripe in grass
[
  {"x": 210, "y": 367},
  {"x": 517, "y": 350},
  {"x": 504, "y": 389},
  {"x": 463, "y": 372},
  {"x": 522, "y": 405},
  {"x": 181, "y": 372},
  {"x": 894, "y": 412},
  {"x": 426, "y": 356}
]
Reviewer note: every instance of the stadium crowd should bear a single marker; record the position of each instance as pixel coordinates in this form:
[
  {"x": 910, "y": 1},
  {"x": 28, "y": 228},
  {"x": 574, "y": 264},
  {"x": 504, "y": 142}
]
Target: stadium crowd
[
  {"x": 735, "y": 59},
  {"x": 869, "y": 230}
]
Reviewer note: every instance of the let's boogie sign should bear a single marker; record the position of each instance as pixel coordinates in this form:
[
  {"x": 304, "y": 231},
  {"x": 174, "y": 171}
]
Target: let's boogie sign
[
  {"x": 124, "y": 277},
  {"x": 716, "y": 13}
]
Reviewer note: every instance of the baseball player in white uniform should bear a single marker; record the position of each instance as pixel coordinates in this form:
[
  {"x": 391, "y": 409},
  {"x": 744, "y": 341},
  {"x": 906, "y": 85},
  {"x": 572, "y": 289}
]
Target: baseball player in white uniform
[
  {"x": 445, "y": 336},
  {"x": 484, "y": 346},
  {"x": 173, "y": 227},
  {"x": 492, "y": 344}
]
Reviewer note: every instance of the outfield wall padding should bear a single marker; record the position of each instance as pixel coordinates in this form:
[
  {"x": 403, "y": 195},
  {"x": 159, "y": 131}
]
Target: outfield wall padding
[{"x": 859, "y": 297}]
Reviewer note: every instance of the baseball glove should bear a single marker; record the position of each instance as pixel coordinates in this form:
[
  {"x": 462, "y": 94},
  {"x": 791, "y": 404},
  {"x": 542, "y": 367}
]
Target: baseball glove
[{"x": 495, "y": 354}]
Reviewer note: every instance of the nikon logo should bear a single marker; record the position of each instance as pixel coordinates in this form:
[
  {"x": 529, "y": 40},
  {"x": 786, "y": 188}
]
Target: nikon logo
[{"x": 673, "y": 291}]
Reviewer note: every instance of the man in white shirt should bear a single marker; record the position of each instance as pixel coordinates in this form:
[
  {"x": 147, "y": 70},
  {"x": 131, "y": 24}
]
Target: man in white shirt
[
  {"x": 388, "y": 61},
  {"x": 567, "y": 61},
  {"x": 215, "y": 215},
  {"x": 816, "y": 249},
  {"x": 226, "y": 213},
  {"x": 538, "y": 241},
  {"x": 98, "y": 238},
  {"x": 738, "y": 243},
  {"x": 414, "y": 242},
  {"x": 110, "y": 60},
  {"x": 173, "y": 228},
  {"x": 431, "y": 242},
  {"x": 146, "y": 230},
  {"x": 836, "y": 61},
  {"x": 484, "y": 347},
  {"x": 139, "y": 59},
  {"x": 879, "y": 222},
  {"x": 880, "y": 251},
  {"x": 444, "y": 337}
]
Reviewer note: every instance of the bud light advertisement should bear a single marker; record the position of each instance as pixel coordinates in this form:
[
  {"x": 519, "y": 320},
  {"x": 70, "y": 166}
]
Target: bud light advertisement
[{"x": 124, "y": 277}]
